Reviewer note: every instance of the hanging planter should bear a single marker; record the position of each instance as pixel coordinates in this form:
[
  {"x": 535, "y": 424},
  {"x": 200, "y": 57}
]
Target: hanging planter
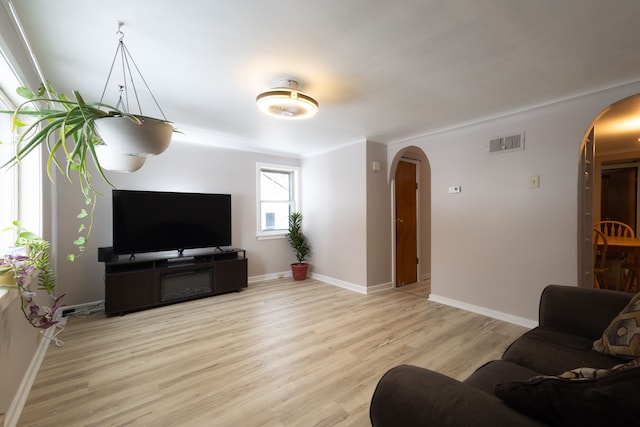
[
  {"x": 134, "y": 134},
  {"x": 68, "y": 128},
  {"x": 113, "y": 160},
  {"x": 137, "y": 135}
]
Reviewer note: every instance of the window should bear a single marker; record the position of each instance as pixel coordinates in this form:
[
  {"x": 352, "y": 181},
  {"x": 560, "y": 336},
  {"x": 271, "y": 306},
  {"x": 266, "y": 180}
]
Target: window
[
  {"x": 21, "y": 186},
  {"x": 277, "y": 192},
  {"x": 8, "y": 180}
]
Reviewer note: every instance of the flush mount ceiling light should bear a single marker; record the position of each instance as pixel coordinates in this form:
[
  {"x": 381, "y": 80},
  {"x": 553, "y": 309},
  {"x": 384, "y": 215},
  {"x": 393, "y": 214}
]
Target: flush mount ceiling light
[{"x": 287, "y": 102}]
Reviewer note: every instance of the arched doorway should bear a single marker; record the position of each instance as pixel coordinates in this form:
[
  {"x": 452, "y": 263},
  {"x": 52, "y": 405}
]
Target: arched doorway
[
  {"x": 411, "y": 162},
  {"x": 612, "y": 142}
]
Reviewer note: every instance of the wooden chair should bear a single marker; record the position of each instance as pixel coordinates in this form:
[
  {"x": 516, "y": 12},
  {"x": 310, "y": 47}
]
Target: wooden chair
[
  {"x": 614, "y": 228},
  {"x": 599, "y": 259},
  {"x": 625, "y": 260},
  {"x": 629, "y": 283}
]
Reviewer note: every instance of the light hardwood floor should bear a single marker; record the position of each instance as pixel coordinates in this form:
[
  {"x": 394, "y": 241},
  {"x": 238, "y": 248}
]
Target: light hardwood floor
[
  {"x": 421, "y": 288},
  {"x": 279, "y": 353}
]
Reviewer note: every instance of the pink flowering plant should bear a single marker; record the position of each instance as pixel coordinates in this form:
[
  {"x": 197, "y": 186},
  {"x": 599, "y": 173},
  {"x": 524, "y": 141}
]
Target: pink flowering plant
[{"x": 26, "y": 266}]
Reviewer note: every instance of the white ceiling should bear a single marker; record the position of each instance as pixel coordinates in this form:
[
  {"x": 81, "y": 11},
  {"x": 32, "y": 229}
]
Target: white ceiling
[{"x": 380, "y": 70}]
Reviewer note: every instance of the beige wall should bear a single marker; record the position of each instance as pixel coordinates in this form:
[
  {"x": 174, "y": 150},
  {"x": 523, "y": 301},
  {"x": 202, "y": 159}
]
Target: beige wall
[
  {"x": 183, "y": 167},
  {"x": 497, "y": 244},
  {"x": 378, "y": 214},
  {"x": 334, "y": 205},
  {"x": 18, "y": 343}
]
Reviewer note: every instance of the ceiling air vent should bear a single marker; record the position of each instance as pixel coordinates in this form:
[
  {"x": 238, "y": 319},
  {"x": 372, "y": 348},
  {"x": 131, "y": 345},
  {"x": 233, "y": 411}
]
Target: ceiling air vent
[{"x": 506, "y": 143}]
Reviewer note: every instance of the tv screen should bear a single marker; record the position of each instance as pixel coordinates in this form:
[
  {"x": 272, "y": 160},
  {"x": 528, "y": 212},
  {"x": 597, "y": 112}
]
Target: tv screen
[{"x": 152, "y": 221}]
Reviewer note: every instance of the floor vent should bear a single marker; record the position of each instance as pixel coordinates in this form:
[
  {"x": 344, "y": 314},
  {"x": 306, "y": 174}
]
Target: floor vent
[{"x": 506, "y": 143}]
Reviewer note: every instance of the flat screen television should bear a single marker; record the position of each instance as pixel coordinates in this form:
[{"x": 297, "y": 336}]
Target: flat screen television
[{"x": 153, "y": 221}]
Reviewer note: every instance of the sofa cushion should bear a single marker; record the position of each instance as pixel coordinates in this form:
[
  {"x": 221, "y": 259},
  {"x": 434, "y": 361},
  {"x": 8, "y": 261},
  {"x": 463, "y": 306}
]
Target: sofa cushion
[
  {"x": 550, "y": 352},
  {"x": 609, "y": 398},
  {"x": 622, "y": 336},
  {"x": 410, "y": 396},
  {"x": 495, "y": 372},
  {"x": 585, "y": 312}
]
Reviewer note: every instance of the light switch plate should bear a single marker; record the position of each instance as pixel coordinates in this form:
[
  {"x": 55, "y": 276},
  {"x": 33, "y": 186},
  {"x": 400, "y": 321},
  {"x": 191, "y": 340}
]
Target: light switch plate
[{"x": 534, "y": 181}]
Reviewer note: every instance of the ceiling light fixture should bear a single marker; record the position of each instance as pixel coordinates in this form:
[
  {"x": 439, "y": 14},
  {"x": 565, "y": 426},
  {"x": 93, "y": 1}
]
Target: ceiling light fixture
[{"x": 287, "y": 102}]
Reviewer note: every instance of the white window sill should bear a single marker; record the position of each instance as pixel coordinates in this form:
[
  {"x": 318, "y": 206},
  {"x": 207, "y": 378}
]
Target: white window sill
[
  {"x": 6, "y": 298},
  {"x": 280, "y": 235}
]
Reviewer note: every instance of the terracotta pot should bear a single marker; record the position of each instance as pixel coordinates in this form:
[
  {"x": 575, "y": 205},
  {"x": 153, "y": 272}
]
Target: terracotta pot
[
  {"x": 150, "y": 138},
  {"x": 299, "y": 270}
]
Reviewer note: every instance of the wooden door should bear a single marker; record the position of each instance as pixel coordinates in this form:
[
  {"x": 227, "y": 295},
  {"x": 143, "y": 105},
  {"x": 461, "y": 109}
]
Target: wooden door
[
  {"x": 618, "y": 200},
  {"x": 406, "y": 224}
]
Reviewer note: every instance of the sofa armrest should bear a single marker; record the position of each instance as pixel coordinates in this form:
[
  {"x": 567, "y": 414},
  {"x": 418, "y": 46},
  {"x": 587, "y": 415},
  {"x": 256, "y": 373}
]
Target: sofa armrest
[
  {"x": 585, "y": 312},
  {"x": 412, "y": 396}
]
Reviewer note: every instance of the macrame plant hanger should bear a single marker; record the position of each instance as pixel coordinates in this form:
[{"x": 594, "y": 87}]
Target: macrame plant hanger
[
  {"x": 126, "y": 60},
  {"x": 134, "y": 134}
]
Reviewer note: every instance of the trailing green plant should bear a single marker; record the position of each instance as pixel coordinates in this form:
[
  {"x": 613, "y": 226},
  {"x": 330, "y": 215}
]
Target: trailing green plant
[
  {"x": 38, "y": 249},
  {"x": 297, "y": 239},
  {"x": 66, "y": 126},
  {"x": 32, "y": 262}
]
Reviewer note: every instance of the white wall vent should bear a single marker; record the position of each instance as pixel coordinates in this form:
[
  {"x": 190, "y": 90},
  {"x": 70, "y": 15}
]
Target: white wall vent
[{"x": 504, "y": 144}]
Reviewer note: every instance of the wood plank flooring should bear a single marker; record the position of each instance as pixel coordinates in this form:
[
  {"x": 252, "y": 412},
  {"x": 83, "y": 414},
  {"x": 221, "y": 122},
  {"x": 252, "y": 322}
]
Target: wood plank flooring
[
  {"x": 421, "y": 289},
  {"x": 280, "y": 353}
]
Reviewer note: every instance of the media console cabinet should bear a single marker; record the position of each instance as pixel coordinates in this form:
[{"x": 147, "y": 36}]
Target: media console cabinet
[{"x": 151, "y": 280}]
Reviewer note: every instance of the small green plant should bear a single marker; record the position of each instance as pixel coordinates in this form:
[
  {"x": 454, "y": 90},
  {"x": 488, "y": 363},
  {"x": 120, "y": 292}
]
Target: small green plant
[
  {"x": 38, "y": 250},
  {"x": 297, "y": 239}
]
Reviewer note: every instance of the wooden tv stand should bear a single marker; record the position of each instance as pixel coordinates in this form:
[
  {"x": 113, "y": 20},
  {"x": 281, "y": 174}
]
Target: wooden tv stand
[{"x": 156, "y": 279}]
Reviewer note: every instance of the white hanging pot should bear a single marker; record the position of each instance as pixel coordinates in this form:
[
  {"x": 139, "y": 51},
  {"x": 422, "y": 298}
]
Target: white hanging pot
[
  {"x": 113, "y": 160},
  {"x": 147, "y": 138}
]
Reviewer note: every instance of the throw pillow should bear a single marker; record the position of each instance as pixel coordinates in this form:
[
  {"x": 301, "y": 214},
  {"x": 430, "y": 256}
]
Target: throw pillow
[
  {"x": 583, "y": 396},
  {"x": 622, "y": 336}
]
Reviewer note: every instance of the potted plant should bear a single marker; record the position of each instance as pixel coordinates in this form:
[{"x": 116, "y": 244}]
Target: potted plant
[
  {"x": 300, "y": 245},
  {"x": 72, "y": 127}
]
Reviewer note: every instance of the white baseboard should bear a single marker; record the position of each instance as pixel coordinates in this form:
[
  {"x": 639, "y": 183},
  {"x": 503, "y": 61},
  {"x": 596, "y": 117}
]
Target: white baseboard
[
  {"x": 379, "y": 288},
  {"x": 330, "y": 280},
  {"x": 366, "y": 290},
  {"x": 17, "y": 404},
  {"x": 517, "y": 320},
  {"x": 271, "y": 276},
  {"x": 69, "y": 310},
  {"x": 340, "y": 283}
]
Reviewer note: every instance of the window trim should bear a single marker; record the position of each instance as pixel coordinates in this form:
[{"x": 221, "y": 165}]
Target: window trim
[
  {"x": 26, "y": 177},
  {"x": 19, "y": 180},
  {"x": 295, "y": 171}
]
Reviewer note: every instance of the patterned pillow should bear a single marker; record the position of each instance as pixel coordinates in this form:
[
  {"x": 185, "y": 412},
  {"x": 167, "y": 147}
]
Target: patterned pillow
[
  {"x": 589, "y": 373},
  {"x": 622, "y": 336},
  {"x": 581, "y": 397}
]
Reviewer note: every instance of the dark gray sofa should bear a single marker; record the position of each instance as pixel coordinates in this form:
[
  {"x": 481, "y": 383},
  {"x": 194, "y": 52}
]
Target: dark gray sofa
[{"x": 570, "y": 319}]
